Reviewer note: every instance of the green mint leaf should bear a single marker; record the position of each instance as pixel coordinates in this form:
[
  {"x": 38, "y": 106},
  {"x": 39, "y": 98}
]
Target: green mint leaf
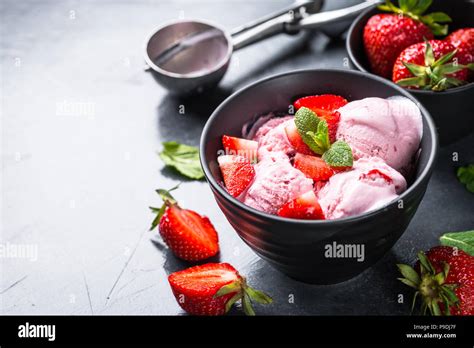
[
  {"x": 307, "y": 121},
  {"x": 461, "y": 240},
  {"x": 184, "y": 158},
  {"x": 466, "y": 176},
  {"x": 321, "y": 137},
  {"x": 339, "y": 155}
]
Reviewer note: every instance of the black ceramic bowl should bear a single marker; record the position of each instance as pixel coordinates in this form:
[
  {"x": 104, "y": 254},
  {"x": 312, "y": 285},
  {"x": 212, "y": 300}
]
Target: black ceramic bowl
[
  {"x": 297, "y": 247},
  {"x": 452, "y": 110}
]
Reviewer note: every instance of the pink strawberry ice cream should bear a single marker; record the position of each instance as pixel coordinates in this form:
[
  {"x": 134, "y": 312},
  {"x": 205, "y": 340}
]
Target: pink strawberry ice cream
[
  {"x": 387, "y": 128},
  {"x": 276, "y": 182},
  {"x": 272, "y": 138},
  {"x": 384, "y": 136},
  {"x": 368, "y": 186}
]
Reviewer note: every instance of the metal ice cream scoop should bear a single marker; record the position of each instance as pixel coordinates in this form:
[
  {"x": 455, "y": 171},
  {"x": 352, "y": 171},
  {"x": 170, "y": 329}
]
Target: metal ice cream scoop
[{"x": 190, "y": 55}]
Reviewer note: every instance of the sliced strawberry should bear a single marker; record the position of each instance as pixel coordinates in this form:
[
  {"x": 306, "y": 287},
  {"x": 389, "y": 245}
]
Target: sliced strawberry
[
  {"x": 242, "y": 147},
  {"x": 212, "y": 289},
  {"x": 237, "y": 173},
  {"x": 296, "y": 141},
  {"x": 321, "y": 104},
  {"x": 332, "y": 120},
  {"x": 305, "y": 207},
  {"x": 325, "y": 107},
  {"x": 313, "y": 167},
  {"x": 190, "y": 236}
]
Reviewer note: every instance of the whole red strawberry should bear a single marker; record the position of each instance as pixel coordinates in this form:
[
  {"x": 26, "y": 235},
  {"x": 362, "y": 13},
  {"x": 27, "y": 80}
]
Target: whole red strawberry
[
  {"x": 429, "y": 65},
  {"x": 190, "y": 236},
  {"x": 386, "y": 35},
  {"x": 444, "y": 278},
  {"x": 463, "y": 40},
  {"x": 212, "y": 289}
]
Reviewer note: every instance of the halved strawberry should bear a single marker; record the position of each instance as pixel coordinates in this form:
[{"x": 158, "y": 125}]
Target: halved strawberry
[
  {"x": 321, "y": 104},
  {"x": 190, "y": 236},
  {"x": 295, "y": 139},
  {"x": 212, "y": 289},
  {"x": 237, "y": 173},
  {"x": 313, "y": 167},
  {"x": 242, "y": 147},
  {"x": 305, "y": 207}
]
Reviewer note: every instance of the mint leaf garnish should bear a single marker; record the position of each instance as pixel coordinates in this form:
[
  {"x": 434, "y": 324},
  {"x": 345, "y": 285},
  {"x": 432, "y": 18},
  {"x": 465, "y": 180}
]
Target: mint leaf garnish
[
  {"x": 321, "y": 137},
  {"x": 339, "y": 155},
  {"x": 315, "y": 133},
  {"x": 466, "y": 176},
  {"x": 461, "y": 240},
  {"x": 307, "y": 121},
  {"x": 184, "y": 158}
]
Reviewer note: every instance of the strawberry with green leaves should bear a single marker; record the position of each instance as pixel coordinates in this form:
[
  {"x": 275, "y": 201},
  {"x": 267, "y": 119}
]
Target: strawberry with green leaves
[
  {"x": 444, "y": 280},
  {"x": 190, "y": 236},
  {"x": 387, "y": 34},
  {"x": 212, "y": 289},
  {"x": 430, "y": 65}
]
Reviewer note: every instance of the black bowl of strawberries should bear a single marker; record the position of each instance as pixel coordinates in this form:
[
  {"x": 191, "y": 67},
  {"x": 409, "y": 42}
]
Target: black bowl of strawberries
[
  {"x": 427, "y": 47},
  {"x": 319, "y": 171}
]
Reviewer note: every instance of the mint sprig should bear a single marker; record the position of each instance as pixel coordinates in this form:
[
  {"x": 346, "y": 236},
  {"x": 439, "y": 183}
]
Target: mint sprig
[
  {"x": 462, "y": 240},
  {"x": 315, "y": 133},
  {"x": 307, "y": 121},
  {"x": 183, "y": 158},
  {"x": 466, "y": 176},
  {"x": 339, "y": 155},
  {"x": 321, "y": 137}
]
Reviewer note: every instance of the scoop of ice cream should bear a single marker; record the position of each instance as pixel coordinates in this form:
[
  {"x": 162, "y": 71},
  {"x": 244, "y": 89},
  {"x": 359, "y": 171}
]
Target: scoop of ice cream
[
  {"x": 368, "y": 186},
  {"x": 272, "y": 138},
  {"x": 276, "y": 182},
  {"x": 387, "y": 128}
]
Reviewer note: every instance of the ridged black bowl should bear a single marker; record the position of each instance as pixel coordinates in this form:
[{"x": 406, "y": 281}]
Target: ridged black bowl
[
  {"x": 453, "y": 109},
  {"x": 297, "y": 247}
]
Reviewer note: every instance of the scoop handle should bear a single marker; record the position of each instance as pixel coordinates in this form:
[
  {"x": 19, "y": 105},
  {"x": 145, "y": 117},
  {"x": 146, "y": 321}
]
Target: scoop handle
[
  {"x": 318, "y": 20},
  {"x": 293, "y": 22}
]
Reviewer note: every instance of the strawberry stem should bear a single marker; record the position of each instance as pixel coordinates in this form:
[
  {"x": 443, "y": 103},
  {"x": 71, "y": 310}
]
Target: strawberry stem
[
  {"x": 434, "y": 75},
  {"x": 415, "y": 10},
  {"x": 245, "y": 294},
  {"x": 168, "y": 200},
  {"x": 430, "y": 286}
]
